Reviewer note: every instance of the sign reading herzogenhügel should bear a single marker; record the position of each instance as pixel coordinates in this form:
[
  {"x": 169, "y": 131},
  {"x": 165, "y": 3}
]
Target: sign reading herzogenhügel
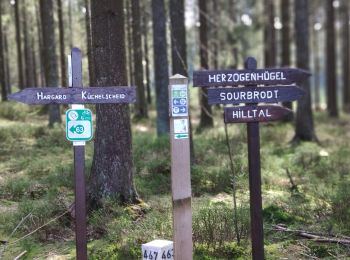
[{"x": 203, "y": 78}]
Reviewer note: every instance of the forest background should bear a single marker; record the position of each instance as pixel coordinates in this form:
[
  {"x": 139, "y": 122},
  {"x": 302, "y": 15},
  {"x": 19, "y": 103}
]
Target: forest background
[{"x": 305, "y": 167}]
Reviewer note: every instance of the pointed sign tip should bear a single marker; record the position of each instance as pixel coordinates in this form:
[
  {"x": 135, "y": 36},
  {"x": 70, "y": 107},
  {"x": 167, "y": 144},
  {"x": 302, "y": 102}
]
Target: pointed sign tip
[{"x": 178, "y": 76}]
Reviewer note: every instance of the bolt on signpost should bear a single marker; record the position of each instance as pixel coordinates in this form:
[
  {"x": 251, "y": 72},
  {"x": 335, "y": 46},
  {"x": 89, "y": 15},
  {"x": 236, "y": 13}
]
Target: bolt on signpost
[
  {"x": 252, "y": 113},
  {"x": 78, "y": 127}
]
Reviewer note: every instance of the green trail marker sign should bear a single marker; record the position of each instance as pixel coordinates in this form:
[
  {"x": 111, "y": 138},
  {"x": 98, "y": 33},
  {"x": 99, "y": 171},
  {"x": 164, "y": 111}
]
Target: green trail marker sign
[{"x": 78, "y": 125}]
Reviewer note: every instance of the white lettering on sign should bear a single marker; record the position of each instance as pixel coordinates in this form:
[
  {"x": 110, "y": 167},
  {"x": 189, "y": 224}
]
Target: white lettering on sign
[
  {"x": 246, "y": 76},
  {"x": 85, "y": 95},
  {"x": 249, "y": 95},
  {"x": 42, "y": 96},
  {"x": 253, "y": 113}
]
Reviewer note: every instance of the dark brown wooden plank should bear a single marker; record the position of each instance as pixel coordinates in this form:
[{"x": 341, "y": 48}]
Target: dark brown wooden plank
[
  {"x": 77, "y": 95},
  {"x": 237, "y": 95},
  {"x": 245, "y": 114},
  {"x": 285, "y": 76}
]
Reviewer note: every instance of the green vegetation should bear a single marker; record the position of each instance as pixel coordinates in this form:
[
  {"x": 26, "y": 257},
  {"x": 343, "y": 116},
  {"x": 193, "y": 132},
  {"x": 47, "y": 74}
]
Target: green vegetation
[{"x": 305, "y": 187}]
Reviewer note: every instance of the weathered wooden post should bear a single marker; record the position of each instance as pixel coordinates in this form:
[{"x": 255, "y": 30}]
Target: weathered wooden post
[
  {"x": 78, "y": 127},
  {"x": 180, "y": 167},
  {"x": 252, "y": 114}
]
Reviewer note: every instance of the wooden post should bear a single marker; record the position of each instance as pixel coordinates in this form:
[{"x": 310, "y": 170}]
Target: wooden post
[
  {"x": 180, "y": 167},
  {"x": 256, "y": 220},
  {"x": 75, "y": 73}
]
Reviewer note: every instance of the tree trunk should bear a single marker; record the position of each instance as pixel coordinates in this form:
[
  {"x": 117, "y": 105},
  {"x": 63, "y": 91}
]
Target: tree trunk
[
  {"x": 61, "y": 37},
  {"x": 269, "y": 34},
  {"x": 70, "y": 24},
  {"x": 160, "y": 65},
  {"x": 145, "y": 48},
  {"x": 49, "y": 53},
  {"x": 89, "y": 41},
  {"x": 111, "y": 172},
  {"x": 19, "y": 47},
  {"x": 215, "y": 39},
  {"x": 304, "y": 127},
  {"x": 332, "y": 106},
  {"x": 40, "y": 41},
  {"x": 316, "y": 73},
  {"x": 2, "y": 60},
  {"x": 7, "y": 62},
  {"x": 34, "y": 71},
  {"x": 345, "y": 55},
  {"x": 178, "y": 37},
  {"x": 28, "y": 59},
  {"x": 286, "y": 39},
  {"x": 206, "y": 119},
  {"x": 130, "y": 43},
  {"x": 141, "y": 104}
]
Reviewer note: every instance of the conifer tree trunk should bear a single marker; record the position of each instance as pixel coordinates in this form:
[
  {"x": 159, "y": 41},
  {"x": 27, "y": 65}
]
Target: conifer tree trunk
[
  {"x": 215, "y": 39},
  {"x": 130, "y": 43},
  {"x": 89, "y": 41},
  {"x": 7, "y": 62},
  {"x": 178, "y": 37},
  {"x": 345, "y": 55},
  {"x": 61, "y": 38},
  {"x": 141, "y": 104},
  {"x": 332, "y": 106},
  {"x": 206, "y": 119},
  {"x": 19, "y": 47},
  {"x": 146, "y": 53},
  {"x": 49, "y": 54},
  {"x": 28, "y": 59},
  {"x": 286, "y": 40},
  {"x": 112, "y": 166},
  {"x": 304, "y": 127},
  {"x": 40, "y": 45},
  {"x": 160, "y": 65},
  {"x": 269, "y": 34},
  {"x": 2, "y": 60}
]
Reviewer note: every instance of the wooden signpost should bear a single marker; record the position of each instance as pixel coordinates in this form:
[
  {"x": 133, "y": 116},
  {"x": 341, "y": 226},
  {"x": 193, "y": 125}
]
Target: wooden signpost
[
  {"x": 252, "y": 114},
  {"x": 180, "y": 167},
  {"x": 79, "y": 127}
]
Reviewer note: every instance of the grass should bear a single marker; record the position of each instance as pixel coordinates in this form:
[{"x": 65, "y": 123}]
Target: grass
[{"x": 36, "y": 184}]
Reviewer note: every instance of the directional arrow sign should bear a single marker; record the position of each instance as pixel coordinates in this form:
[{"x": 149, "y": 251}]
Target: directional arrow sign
[
  {"x": 91, "y": 95},
  {"x": 78, "y": 124},
  {"x": 239, "y": 95},
  {"x": 254, "y": 114},
  {"x": 285, "y": 76}
]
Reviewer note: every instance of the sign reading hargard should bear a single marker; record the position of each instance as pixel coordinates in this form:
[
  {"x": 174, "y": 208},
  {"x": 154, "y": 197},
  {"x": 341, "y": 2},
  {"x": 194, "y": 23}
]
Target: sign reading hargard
[{"x": 91, "y": 95}]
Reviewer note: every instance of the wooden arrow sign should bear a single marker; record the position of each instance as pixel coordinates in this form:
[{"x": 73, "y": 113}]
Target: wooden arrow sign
[
  {"x": 254, "y": 114},
  {"x": 285, "y": 76},
  {"x": 91, "y": 95},
  {"x": 273, "y": 94}
]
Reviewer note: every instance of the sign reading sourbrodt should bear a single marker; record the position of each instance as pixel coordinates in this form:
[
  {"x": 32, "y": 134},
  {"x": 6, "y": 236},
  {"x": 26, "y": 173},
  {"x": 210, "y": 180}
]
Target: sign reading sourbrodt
[
  {"x": 91, "y": 95},
  {"x": 239, "y": 95},
  {"x": 203, "y": 78}
]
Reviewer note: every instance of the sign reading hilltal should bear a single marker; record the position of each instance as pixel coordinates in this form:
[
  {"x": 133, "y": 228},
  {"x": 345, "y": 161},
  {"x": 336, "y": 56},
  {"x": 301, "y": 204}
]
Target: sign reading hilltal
[{"x": 91, "y": 95}]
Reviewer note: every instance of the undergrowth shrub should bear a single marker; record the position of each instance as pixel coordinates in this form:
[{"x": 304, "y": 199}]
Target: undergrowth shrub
[
  {"x": 213, "y": 225},
  {"x": 14, "y": 111}
]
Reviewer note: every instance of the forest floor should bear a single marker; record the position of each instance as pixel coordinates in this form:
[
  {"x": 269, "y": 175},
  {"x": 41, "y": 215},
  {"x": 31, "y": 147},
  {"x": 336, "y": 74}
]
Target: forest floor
[{"x": 305, "y": 187}]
